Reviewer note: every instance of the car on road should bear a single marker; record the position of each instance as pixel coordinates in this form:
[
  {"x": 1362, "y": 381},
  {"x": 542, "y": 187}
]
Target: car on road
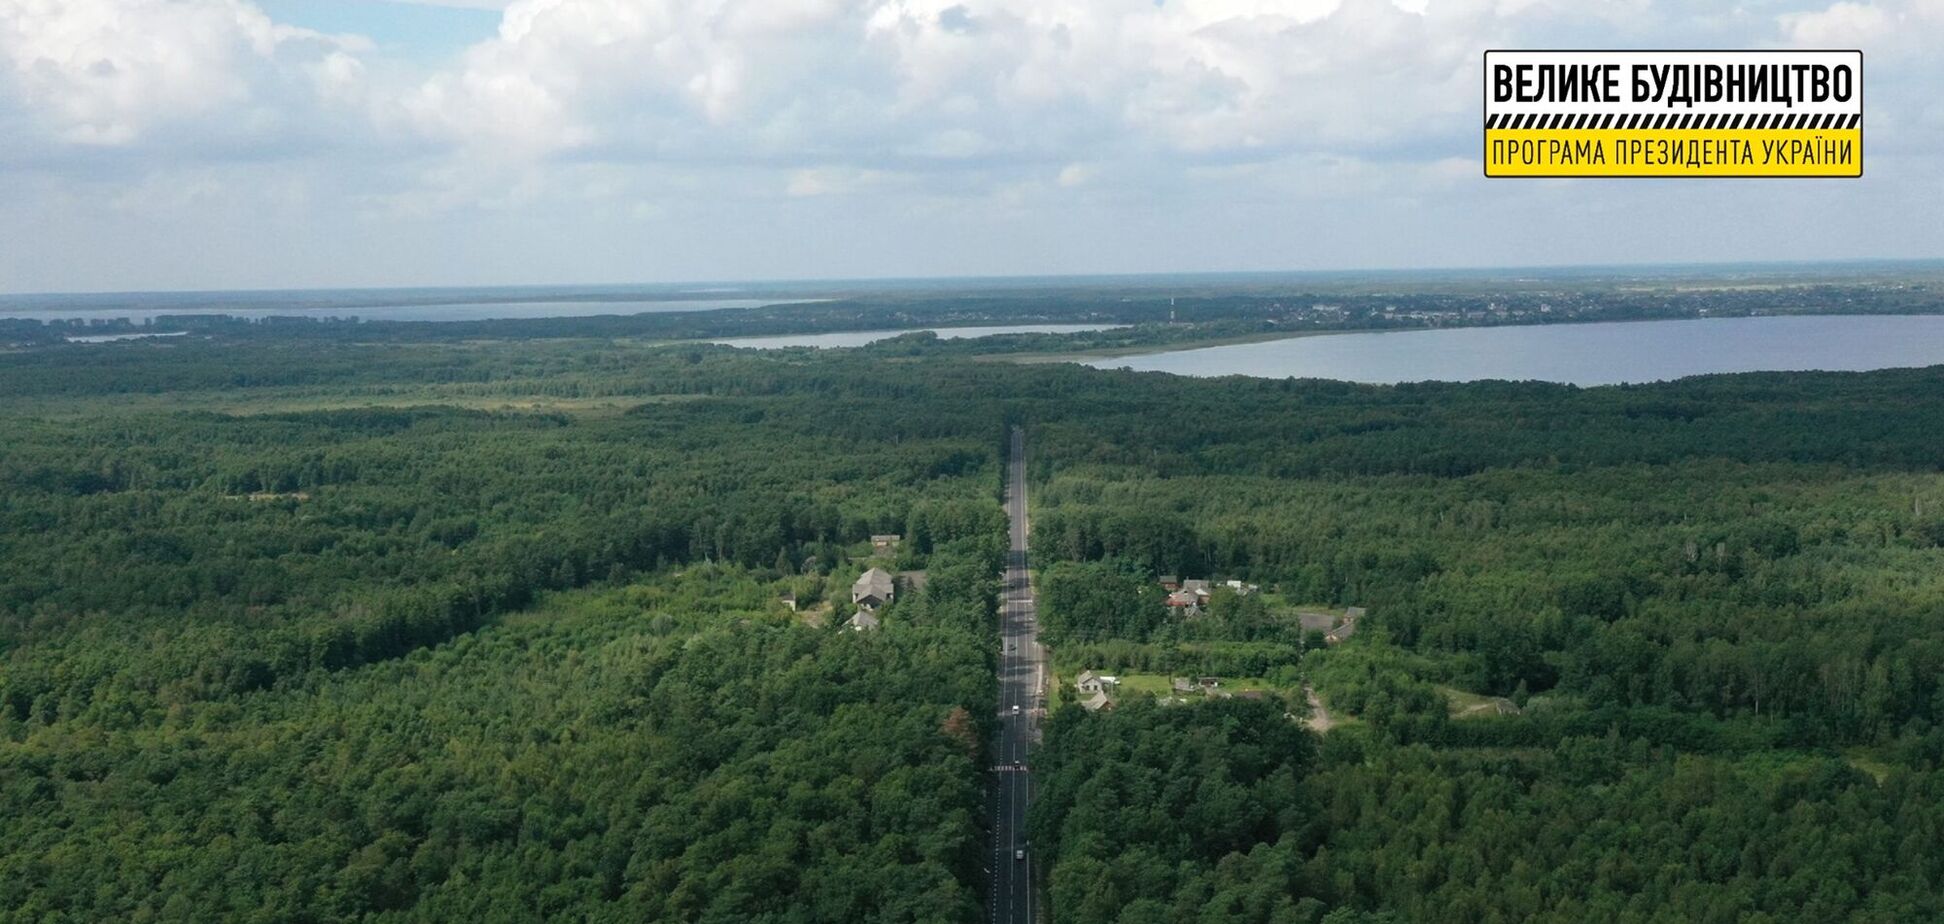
[
  {"x": 1019, "y": 854},
  {"x": 1015, "y": 709}
]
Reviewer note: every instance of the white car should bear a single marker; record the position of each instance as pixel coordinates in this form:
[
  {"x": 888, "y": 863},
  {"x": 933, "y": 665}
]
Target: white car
[
  {"x": 1015, "y": 710},
  {"x": 1019, "y": 854}
]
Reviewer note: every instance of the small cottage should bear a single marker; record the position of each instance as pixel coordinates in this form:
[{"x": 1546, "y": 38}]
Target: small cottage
[
  {"x": 864, "y": 621},
  {"x": 873, "y": 589}
]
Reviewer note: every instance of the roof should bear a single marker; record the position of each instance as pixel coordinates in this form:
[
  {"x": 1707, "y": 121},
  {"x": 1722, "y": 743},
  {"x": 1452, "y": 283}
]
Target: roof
[
  {"x": 1316, "y": 622},
  {"x": 1183, "y": 598},
  {"x": 1353, "y": 612},
  {"x": 1344, "y": 631},
  {"x": 1196, "y": 585},
  {"x": 886, "y": 537},
  {"x": 863, "y": 620},
  {"x": 1096, "y": 702},
  {"x": 875, "y": 582},
  {"x": 1169, "y": 579}
]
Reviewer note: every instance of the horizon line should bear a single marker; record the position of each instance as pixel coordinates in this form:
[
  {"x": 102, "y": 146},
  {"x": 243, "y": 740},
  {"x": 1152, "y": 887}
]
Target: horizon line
[{"x": 834, "y": 281}]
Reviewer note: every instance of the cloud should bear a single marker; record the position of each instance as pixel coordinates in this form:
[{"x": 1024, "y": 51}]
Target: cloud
[
  {"x": 111, "y": 73},
  {"x": 1086, "y": 117},
  {"x": 951, "y": 80},
  {"x": 1843, "y": 25}
]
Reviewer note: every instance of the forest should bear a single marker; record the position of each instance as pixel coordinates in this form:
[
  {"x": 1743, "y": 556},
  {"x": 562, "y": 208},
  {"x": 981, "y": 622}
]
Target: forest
[{"x": 300, "y": 628}]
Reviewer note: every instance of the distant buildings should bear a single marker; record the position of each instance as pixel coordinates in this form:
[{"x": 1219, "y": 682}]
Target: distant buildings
[
  {"x": 885, "y": 543},
  {"x": 1190, "y": 596}
]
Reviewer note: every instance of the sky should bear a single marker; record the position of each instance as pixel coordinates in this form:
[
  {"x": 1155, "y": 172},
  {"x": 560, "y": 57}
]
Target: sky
[{"x": 211, "y": 144}]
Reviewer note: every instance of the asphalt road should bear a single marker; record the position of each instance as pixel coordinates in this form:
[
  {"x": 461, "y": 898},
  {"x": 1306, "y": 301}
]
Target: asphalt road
[{"x": 1022, "y": 673}]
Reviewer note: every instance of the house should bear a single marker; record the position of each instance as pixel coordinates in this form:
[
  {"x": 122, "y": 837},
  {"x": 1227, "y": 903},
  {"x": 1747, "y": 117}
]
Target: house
[
  {"x": 885, "y": 542},
  {"x": 874, "y": 588},
  {"x": 1183, "y": 598},
  {"x": 1196, "y": 587},
  {"x": 788, "y": 599},
  {"x": 1208, "y": 684},
  {"x": 864, "y": 621},
  {"x": 1181, "y": 685},
  {"x": 1317, "y": 622},
  {"x": 1096, "y": 703},
  {"x": 1241, "y": 589},
  {"x": 1170, "y": 583},
  {"x": 1334, "y": 628},
  {"x": 1090, "y": 682}
]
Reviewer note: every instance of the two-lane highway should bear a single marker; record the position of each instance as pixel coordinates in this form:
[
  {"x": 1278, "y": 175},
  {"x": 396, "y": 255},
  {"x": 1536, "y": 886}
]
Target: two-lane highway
[{"x": 1021, "y": 695}]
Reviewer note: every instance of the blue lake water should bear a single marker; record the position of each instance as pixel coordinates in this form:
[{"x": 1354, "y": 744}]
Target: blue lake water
[
  {"x": 857, "y": 338},
  {"x": 1578, "y": 354}
]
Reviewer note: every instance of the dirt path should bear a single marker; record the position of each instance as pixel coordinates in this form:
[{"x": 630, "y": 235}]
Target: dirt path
[{"x": 1319, "y": 720}]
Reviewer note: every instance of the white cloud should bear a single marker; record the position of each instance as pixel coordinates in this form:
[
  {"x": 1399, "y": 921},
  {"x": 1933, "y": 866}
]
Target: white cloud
[
  {"x": 1842, "y": 25},
  {"x": 910, "y": 113},
  {"x": 111, "y": 72},
  {"x": 912, "y": 84}
]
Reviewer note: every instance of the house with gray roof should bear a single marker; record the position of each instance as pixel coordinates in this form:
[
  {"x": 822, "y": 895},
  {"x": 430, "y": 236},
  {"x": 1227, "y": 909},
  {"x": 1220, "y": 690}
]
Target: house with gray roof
[
  {"x": 873, "y": 589},
  {"x": 864, "y": 621}
]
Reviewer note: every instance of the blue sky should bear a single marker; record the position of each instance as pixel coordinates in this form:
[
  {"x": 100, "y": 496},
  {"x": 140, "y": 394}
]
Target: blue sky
[
  {"x": 187, "y": 144},
  {"x": 426, "y": 33}
]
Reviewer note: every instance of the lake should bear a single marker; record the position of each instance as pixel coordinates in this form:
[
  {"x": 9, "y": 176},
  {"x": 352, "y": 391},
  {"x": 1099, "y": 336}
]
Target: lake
[
  {"x": 857, "y": 338},
  {"x": 1578, "y": 354}
]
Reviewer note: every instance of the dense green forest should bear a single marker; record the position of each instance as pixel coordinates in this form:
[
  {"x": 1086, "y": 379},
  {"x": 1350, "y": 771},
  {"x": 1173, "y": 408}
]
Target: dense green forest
[
  {"x": 313, "y": 628},
  {"x": 1712, "y": 610}
]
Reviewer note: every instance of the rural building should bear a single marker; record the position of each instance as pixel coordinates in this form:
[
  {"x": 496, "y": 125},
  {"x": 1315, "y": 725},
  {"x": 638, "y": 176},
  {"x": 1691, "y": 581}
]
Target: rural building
[
  {"x": 1198, "y": 588},
  {"x": 789, "y": 599},
  {"x": 874, "y": 588},
  {"x": 1096, "y": 702},
  {"x": 1170, "y": 583},
  {"x": 1317, "y": 622},
  {"x": 864, "y": 621},
  {"x": 1335, "y": 628},
  {"x": 885, "y": 542},
  {"x": 1090, "y": 682}
]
